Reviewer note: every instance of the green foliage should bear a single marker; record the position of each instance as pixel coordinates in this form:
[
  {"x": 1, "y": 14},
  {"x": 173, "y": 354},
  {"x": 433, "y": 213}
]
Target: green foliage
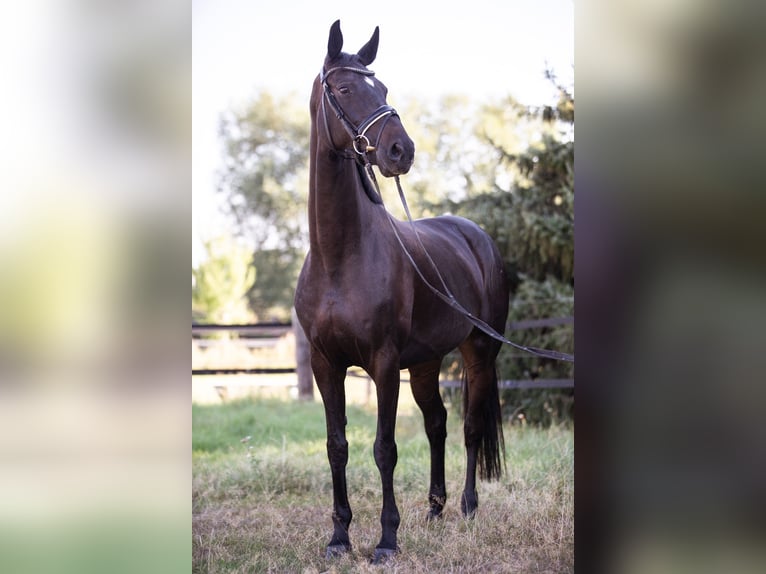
[
  {"x": 450, "y": 162},
  {"x": 528, "y": 208},
  {"x": 221, "y": 428},
  {"x": 221, "y": 281},
  {"x": 271, "y": 297},
  {"x": 265, "y": 182}
]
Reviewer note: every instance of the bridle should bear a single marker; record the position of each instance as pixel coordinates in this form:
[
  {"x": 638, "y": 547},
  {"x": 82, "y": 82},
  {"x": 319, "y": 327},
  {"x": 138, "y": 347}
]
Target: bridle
[{"x": 359, "y": 140}]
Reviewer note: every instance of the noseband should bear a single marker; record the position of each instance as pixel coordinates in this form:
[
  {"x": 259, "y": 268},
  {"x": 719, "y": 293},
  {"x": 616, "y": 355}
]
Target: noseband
[{"x": 360, "y": 142}]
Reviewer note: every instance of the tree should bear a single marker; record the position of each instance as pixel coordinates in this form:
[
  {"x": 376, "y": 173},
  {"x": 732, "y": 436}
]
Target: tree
[
  {"x": 221, "y": 281},
  {"x": 451, "y": 163},
  {"x": 529, "y": 211},
  {"x": 265, "y": 181}
]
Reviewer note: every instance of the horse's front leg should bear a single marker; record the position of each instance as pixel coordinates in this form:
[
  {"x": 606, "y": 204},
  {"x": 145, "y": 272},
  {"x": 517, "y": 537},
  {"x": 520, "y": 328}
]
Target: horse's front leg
[
  {"x": 386, "y": 377},
  {"x": 330, "y": 381}
]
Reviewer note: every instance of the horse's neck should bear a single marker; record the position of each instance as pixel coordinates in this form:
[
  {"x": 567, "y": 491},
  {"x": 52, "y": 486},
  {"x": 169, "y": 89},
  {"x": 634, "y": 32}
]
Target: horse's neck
[{"x": 339, "y": 212}]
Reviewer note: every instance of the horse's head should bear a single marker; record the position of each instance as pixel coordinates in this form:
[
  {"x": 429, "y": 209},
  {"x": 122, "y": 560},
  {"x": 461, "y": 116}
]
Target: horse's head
[{"x": 351, "y": 103}]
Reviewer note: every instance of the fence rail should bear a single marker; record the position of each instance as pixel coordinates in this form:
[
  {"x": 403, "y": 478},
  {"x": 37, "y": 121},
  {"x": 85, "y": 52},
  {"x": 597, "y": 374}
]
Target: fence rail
[
  {"x": 277, "y": 329},
  {"x": 264, "y": 330},
  {"x": 237, "y": 371},
  {"x": 274, "y": 330},
  {"x": 447, "y": 384},
  {"x": 520, "y": 384}
]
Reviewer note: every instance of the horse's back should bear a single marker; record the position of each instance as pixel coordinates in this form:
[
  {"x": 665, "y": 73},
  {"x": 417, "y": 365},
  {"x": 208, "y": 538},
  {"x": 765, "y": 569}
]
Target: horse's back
[
  {"x": 470, "y": 264},
  {"x": 461, "y": 244}
]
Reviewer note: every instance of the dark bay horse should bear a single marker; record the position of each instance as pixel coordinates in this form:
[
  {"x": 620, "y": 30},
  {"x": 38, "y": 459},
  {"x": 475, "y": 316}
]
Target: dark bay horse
[{"x": 361, "y": 302}]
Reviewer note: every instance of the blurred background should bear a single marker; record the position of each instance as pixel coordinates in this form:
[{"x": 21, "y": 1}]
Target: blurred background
[
  {"x": 671, "y": 470},
  {"x": 94, "y": 220}
]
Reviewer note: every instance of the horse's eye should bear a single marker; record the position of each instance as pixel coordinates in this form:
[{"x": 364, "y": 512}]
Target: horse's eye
[{"x": 344, "y": 90}]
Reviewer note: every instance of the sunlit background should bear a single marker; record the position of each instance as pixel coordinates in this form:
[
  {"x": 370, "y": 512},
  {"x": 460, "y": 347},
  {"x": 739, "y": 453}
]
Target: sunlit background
[
  {"x": 670, "y": 306},
  {"x": 94, "y": 223},
  {"x": 94, "y": 211}
]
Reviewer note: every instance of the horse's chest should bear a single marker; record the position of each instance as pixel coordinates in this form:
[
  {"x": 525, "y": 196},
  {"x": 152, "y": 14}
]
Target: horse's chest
[
  {"x": 349, "y": 319},
  {"x": 344, "y": 313}
]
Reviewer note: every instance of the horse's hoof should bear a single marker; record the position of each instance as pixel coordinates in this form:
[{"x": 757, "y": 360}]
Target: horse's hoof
[
  {"x": 383, "y": 555},
  {"x": 337, "y": 550}
]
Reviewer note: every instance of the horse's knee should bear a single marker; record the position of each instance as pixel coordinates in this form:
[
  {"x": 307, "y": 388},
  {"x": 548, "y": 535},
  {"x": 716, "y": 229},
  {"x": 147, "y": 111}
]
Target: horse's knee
[
  {"x": 385, "y": 453},
  {"x": 337, "y": 451}
]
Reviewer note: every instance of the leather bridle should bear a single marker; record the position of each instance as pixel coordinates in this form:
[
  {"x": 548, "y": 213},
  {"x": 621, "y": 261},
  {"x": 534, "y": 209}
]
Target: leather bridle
[{"x": 359, "y": 140}]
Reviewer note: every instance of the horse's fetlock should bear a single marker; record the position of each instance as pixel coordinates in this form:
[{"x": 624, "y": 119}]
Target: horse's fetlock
[{"x": 437, "y": 500}]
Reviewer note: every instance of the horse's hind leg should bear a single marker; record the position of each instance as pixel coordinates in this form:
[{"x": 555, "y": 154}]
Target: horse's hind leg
[
  {"x": 424, "y": 382},
  {"x": 330, "y": 381},
  {"x": 482, "y": 416}
]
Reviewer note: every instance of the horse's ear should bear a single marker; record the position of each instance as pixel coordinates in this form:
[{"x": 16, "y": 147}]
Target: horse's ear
[
  {"x": 368, "y": 52},
  {"x": 335, "y": 43}
]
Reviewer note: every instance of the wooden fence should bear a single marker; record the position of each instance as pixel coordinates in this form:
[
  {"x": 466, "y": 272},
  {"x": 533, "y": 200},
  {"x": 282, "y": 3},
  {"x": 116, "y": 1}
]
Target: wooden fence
[{"x": 266, "y": 334}]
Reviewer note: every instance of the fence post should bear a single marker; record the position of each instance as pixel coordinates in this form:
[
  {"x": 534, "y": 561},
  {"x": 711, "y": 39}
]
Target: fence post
[{"x": 302, "y": 362}]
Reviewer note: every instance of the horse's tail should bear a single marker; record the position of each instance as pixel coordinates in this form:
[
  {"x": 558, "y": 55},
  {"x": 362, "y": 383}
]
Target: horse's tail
[{"x": 491, "y": 464}]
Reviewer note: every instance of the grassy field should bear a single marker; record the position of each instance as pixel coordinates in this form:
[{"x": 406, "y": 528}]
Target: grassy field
[{"x": 262, "y": 495}]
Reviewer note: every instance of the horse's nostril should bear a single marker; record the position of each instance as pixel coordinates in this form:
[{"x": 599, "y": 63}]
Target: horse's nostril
[{"x": 396, "y": 152}]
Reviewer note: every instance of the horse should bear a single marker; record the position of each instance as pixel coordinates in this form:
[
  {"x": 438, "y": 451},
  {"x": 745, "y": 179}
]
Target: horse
[{"x": 362, "y": 302}]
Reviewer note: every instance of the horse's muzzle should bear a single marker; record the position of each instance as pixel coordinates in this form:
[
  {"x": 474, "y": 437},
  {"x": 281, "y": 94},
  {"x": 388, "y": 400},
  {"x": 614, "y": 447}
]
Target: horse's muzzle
[{"x": 397, "y": 156}]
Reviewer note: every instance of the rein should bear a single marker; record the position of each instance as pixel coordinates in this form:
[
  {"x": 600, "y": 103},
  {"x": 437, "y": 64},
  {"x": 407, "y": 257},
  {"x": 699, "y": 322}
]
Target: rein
[
  {"x": 359, "y": 138},
  {"x": 450, "y": 299},
  {"x": 447, "y": 295}
]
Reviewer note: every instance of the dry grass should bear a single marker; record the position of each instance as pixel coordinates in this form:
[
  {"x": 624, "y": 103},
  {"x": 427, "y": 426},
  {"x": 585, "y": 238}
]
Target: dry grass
[{"x": 264, "y": 505}]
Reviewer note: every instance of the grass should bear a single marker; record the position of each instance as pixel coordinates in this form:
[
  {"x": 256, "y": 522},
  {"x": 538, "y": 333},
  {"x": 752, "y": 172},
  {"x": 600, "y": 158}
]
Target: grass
[{"x": 262, "y": 495}]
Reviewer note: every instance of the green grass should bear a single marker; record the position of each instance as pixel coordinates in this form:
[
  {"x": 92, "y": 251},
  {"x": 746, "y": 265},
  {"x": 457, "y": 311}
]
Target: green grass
[{"x": 263, "y": 504}]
